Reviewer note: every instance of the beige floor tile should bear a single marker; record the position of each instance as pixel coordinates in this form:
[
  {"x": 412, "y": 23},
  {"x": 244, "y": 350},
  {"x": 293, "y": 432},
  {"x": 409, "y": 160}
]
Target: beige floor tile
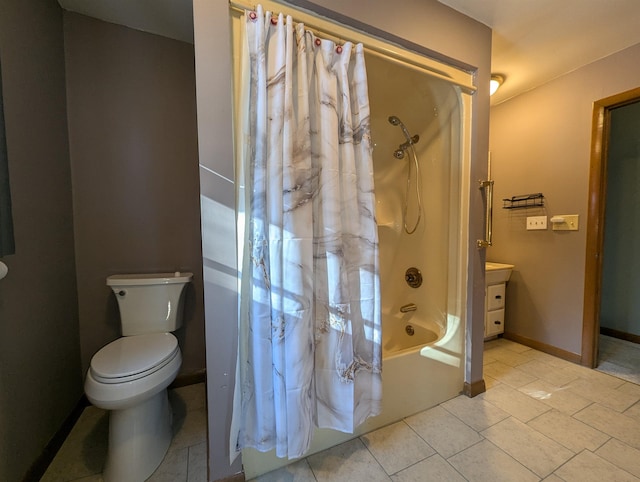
[
  {"x": 508, "y": 357},
  {"x": 85, "y": 449},
  {"x": 193, "y": 397},
  {"x": 347, "y": 462},
  {"x": 397, "y": 447},
  {"x": 633, "y": 411},
  {"x": 475, "y": 412},
  {"x": 609, "y": 397},
  {"x": 621, "y": 455},
  {"x": 568, "y": 431},
  {"x": 197, "y": 463},
  {"x": 537, "y": 452},
  {"x": 630, "y": 388},
  {"x": 625, "y": 429},
  {"x": 189, "y": 428},
  {"x": 298, "y": 471},
  {"x": 515, "y": 403},
  {"x": 551, "y": 360},
  {"x": 484, "y": 462},
  {"x": 490, "y": 382},
  {"x": 588, "y": 467},
  {"x": 433, "y": 469},
  {"x": 544, "y": 371},
  {"x": 552, "y": 478},
  {"x": 82, "y": 456},
  {"x": 595, "y": 377},
  {"x": 442, "y": 431},
  {"x": 508, "y": 374},
  {"x": 173, "y": 468},
  {"x": 559, "y": 398},
  {"x": 504, "y": 343},
  {"x": 488, "y": 358}
]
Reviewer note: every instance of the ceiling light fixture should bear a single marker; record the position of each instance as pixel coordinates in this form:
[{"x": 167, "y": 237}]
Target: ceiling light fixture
[{"x": 496, "y": 81}]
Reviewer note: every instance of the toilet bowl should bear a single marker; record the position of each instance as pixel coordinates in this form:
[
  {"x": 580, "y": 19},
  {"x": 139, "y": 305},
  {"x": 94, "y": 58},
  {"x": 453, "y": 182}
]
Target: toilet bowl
[{"x": 130, "y": 375}]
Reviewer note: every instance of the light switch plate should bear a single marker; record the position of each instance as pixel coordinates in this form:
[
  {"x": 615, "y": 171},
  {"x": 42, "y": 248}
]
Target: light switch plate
[
  {"x": 570, "y": 223},
  {"x": 536, "y": 222}
]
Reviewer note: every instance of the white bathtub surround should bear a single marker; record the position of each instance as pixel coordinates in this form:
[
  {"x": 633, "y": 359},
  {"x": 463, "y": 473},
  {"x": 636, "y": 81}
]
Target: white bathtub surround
[{"x": 310, "y": 342}]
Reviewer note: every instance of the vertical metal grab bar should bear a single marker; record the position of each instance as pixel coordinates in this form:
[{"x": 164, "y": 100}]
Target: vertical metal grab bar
[{"x": 488, "y": 235}]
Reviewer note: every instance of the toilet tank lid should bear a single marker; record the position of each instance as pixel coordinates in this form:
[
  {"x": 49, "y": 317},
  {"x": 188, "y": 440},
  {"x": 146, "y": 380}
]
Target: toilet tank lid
[{"x": 148, "y": 279}]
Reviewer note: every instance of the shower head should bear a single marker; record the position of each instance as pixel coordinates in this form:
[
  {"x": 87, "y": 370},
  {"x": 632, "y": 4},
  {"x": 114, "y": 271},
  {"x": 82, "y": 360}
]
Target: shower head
[{"x": 393, "y": 120}]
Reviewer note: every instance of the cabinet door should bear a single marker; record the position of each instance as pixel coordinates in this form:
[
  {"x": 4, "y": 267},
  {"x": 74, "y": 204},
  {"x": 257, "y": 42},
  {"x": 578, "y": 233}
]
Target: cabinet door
[
  {"x": 495, "y": 297},
  {"x": 494, "y": 324}
]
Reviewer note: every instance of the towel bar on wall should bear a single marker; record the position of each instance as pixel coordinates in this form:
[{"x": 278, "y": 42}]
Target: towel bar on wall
[{"x": 488, "y": 226}]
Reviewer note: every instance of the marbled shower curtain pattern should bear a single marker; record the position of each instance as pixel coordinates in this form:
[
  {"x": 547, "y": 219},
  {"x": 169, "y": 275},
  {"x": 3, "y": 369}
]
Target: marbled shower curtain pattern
[{"x": 310, "y": 334}]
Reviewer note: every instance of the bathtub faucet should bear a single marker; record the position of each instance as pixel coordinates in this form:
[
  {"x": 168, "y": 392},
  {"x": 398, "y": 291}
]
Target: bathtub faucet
[{"x": 409, "y": 307}]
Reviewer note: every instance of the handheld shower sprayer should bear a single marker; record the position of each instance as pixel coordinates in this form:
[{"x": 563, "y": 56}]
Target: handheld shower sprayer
[
  {"x": 393, "y": 120},
  {"x": 399, "y": 153}
]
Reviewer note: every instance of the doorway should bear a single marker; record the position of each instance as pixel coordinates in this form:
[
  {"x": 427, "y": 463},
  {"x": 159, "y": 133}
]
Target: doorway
[{"x": 601, "y": 146}]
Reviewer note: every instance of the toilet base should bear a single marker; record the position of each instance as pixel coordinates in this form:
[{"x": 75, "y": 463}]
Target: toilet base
[{"x": 138, "y": 439}]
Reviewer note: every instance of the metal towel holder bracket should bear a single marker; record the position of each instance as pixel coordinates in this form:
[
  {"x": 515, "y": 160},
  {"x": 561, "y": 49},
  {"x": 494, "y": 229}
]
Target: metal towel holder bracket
[{"x": 488, "y": 226}]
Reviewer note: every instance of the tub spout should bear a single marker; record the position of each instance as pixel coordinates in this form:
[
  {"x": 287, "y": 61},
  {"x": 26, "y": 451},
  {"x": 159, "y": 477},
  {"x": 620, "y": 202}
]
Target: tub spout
[{"x": 409, "y": 307}]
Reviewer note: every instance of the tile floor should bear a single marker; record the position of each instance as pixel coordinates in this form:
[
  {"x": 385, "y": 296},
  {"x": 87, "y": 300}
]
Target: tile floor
[
  {"x": 82, "y": 455},
  {"x": 620, "y": 358},
  {"x": 542, "y": 418}
]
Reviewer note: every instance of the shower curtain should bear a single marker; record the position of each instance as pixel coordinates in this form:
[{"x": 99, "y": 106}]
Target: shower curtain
[{"x": 309, "y": 332}]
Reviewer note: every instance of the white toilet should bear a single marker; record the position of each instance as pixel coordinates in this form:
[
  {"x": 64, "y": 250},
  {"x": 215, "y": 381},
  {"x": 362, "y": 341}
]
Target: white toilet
[{"x": 130, "y": 375}]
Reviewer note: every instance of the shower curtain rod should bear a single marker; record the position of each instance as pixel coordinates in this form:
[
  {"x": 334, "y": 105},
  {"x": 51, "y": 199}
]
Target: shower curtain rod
[{"x": 383, "y": 52}]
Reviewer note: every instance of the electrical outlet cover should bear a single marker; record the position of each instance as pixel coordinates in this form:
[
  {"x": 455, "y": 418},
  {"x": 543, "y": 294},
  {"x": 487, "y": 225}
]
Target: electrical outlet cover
[
  {"x": 536, "y": 223},
  {"x": 570, "y": 223}
]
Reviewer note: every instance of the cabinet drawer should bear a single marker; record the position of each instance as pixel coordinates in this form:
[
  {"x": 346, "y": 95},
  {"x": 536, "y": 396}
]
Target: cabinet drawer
[
  {"x": 495, "y": 297},
  {"x": 494, "y": 323}
]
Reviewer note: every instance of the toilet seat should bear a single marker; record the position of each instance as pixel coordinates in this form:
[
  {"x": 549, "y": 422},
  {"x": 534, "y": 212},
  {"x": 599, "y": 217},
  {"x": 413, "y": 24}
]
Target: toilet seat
[{"x": 133, "y": 357}]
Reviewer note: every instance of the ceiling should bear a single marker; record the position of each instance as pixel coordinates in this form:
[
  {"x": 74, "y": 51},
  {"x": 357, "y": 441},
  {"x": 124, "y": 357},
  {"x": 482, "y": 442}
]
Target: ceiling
[{"x": 534, "y": 41}]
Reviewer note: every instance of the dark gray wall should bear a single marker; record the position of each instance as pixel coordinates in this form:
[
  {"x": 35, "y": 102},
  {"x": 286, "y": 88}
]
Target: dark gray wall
[
  {"x": 540, "y": 142},
  {"x": 40, "y": 374},
  {"x": 620, "y": 300},
  {"x": 133, "y": 144},
  {"x": 129, "y": 150}
]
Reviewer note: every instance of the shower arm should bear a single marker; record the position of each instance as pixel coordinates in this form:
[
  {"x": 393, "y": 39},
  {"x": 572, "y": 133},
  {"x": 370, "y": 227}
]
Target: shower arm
[{"x": 488, "y": 226}]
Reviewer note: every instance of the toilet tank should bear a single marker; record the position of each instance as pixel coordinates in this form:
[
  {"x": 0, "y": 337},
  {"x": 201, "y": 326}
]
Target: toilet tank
[{"x": 149, "y": 303}]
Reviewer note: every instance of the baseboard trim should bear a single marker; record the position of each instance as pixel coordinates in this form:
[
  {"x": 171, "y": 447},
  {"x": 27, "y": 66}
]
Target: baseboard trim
[
  {"x": 199, "y": 376},
  {"x": 40, "y": 465},
  {"x": 550, "y": 349},
  {"x": 474, "y": 388},
  {"x": 621, "y": 335}
]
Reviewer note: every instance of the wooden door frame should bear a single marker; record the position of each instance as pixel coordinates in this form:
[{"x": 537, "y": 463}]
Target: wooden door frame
[{"x": 600, "y": 126}]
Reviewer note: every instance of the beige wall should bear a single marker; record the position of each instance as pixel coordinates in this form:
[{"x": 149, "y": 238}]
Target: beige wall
[
  {"x": 40, "y": 375},
  {"x": 540, "y": 142},
  {"x": 428, "y": 24},
  {"x": 133, "y": 144}
]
